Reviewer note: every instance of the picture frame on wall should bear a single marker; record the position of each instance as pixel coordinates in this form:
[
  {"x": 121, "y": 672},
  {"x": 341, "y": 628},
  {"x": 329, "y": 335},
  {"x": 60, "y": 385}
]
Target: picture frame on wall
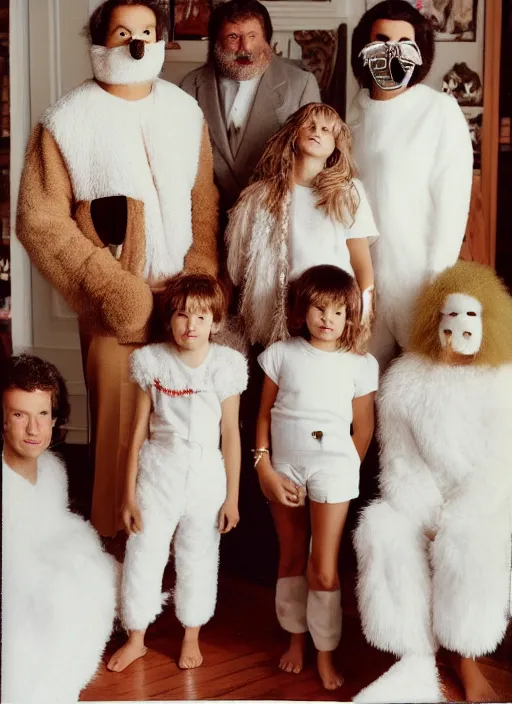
[
  {"x": 189, "y": 19},
  {"x": 453, "y": 21}
]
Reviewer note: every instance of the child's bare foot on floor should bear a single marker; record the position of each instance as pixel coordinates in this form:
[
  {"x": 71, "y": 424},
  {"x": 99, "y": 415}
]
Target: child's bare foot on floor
[
  {"x": 190, "y": 655},
  {"x": 293, "y": 659},
  {"x": 132, "y": 650},
  {"x": 331, "y": 678},
  {"x": 476, "y": 686}
]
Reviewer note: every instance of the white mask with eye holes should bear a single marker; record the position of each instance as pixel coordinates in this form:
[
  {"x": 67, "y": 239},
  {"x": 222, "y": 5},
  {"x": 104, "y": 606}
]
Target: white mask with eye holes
[{"x": 461, "y": 324}]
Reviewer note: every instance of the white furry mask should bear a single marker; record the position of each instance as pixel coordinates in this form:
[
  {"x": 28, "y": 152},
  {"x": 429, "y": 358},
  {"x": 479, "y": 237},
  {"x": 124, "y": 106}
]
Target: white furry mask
[
  {"x": 117, "y": 66},
  {"x": 461, "y": 324}
]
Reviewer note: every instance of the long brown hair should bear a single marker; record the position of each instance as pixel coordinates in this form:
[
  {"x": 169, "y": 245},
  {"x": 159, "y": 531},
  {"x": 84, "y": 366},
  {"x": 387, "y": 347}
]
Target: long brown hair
[{"x": 337, "y": 195}]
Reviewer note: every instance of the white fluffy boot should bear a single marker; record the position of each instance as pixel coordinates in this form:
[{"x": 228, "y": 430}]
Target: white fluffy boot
[
  {"x": 412, "y": 679},
  {"x": 291, "y": 600},
  {"x": 324, "y": 619}
]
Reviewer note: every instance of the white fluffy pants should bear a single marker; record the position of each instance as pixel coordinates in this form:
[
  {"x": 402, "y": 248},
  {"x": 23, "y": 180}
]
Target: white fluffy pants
[
  {"x": 179, "y": 492},
  {"x": 414, "y": 593},
  {"x": 394, "y": 587},
  {"x": 300, "y": 610}
]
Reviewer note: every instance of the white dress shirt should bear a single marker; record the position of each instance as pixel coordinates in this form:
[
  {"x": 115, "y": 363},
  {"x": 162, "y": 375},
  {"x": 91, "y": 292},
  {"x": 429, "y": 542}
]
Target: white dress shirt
[{"x": 237, "y": 98}]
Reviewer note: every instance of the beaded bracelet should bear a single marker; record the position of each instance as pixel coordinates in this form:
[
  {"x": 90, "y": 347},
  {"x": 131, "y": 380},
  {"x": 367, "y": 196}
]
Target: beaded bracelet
[{"x": 258, "y": 454}]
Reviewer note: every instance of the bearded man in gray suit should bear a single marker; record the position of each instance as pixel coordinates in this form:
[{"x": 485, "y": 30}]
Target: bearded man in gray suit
[{"x": 246, "y": 92}]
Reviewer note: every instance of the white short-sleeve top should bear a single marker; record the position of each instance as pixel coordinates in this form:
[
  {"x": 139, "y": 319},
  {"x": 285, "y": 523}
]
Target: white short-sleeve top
[
  {"x": 186, "y": 401},
  {"x": 318, "y": 239},
  {"x": 316, "y": 390}
]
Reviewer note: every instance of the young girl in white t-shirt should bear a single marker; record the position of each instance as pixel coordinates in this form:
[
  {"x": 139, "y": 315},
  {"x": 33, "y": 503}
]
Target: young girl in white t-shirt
[
  {"x": 316, "y": 384},
  {"x": 179, "y": 484},
  {"x": 303, "y": 208}
]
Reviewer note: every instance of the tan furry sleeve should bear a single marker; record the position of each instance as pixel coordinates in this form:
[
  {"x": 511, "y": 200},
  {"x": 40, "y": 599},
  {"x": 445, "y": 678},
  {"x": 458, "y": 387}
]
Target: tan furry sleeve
[
  {"x": 88, "y": 276},
  {"x": 203, "y": 254}
]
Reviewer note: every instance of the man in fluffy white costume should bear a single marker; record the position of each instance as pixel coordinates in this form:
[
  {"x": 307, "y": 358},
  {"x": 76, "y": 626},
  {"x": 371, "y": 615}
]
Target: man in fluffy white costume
[
  {"x": 58, "y": 586},
  {"x": 434, "y": 551}
]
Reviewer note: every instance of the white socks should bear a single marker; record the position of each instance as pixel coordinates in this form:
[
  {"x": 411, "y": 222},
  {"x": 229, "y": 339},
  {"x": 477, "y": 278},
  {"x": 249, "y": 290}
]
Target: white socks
[
  {"x": 324, "y": 619},
  {"x": 300, "y": 610},
  {"x": 291, "y": 599}
]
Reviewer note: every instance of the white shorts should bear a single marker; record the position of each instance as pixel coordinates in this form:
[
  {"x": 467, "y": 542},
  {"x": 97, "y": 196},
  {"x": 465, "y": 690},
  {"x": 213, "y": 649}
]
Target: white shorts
[{"x": 328, "y": 478}]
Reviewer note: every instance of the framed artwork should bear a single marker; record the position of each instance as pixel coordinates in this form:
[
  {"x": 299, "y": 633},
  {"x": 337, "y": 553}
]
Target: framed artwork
[
  {"x": 454, "y": 21},
  {"x": 189, "y": 19}
]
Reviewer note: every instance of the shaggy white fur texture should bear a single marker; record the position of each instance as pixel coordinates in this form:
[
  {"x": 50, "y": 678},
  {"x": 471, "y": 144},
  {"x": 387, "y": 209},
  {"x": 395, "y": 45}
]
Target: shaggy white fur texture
[
  {"x": 58, "y": 591},
  {"x": 116, "y": 66},
  {"x": 146, "y": 149},
  {"x": 413, "y": 679},
  {"x": 434, "y": 551},
  {"x": 180, "y": 490}
]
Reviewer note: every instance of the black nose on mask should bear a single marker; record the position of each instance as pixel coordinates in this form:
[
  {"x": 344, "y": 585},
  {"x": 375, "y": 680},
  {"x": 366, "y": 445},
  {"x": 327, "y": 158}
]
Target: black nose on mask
[{"x": 137, "y": 48}]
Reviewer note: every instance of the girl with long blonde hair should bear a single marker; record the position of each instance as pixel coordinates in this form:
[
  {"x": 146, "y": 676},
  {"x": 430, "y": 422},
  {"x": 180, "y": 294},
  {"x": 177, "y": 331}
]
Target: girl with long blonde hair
[{"x": 303, "y": 208}]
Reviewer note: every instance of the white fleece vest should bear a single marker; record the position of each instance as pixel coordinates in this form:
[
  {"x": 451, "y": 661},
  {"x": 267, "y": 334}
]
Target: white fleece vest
[{"x": 146, "y": 149}]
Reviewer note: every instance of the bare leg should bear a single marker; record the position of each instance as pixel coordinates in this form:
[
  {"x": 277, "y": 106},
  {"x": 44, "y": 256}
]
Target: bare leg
[
  {"x": 476, "y": 686},
  {"x": 132, "y": 650},
  {"x": 190, "y": 656},
  {"x": 327, "y": 524},
  {"x": 293, "y": 534}
]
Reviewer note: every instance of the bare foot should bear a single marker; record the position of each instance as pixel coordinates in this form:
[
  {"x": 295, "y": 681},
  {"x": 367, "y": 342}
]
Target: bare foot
[
  {"x": 476, "y": 687},
  {"x": 190, "y": 656},
  {"x": 293, "y": 659},
  {"x": 132, "y": 650},
  {"x": 331, "y": 678}
]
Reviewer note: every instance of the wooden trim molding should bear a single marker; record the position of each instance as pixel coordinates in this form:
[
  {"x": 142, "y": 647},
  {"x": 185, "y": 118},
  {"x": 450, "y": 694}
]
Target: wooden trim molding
[{"x": 490, "y": 122}]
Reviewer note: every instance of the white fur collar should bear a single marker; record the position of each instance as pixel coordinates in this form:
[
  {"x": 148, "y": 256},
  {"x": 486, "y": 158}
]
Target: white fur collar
[{"x": 147, "y": 150}]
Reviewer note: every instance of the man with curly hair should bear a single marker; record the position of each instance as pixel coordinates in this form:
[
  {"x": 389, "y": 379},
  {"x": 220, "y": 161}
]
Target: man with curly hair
[{"x": 58, "y": 586}]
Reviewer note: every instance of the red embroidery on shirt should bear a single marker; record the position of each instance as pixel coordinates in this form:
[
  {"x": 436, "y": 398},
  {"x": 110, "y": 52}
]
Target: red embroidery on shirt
[{"x": 173, "y": 392}]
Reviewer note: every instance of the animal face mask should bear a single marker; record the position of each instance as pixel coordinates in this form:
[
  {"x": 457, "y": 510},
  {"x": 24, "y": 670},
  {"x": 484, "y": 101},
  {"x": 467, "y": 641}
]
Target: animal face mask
[
  {"x": 460, "y": 326},
  {"x": 127, "y": 64},
  {"x": 391, "y": 63}
]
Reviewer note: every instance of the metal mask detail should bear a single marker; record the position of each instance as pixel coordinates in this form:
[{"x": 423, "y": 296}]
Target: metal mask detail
[{"x": 391, "y": 63}]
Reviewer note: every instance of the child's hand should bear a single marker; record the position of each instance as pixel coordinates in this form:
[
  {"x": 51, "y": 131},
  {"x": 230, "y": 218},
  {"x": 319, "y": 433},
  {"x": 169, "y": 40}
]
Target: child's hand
[
  {"x": 228, "y": 516},
  {"x": 132, "y": 520},
  {"x": 280, "y": 489}
]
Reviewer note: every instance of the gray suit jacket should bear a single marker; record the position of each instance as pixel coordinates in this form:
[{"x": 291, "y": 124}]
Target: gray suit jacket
[{"x": 283, "y": 89}]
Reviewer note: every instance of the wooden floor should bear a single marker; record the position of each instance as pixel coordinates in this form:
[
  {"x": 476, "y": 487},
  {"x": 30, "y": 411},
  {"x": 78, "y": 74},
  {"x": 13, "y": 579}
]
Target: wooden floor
[{"x": 241, "y": 648}]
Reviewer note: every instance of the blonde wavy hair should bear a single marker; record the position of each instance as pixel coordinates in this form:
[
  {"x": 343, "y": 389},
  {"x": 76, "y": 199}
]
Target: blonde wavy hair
[{"x": 337, "y": 194}]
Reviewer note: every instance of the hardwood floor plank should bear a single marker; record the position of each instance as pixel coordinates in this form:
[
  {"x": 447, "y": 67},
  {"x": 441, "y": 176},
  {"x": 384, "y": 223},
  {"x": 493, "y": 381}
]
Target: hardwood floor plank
[{"x": 241, "y": 648}]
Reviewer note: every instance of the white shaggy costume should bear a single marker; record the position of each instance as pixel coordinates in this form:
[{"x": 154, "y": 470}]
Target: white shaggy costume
[
  {"x": 181, "y": 483},
  {"x": 434, "y": 551},
  {"x": 415, "y": 159},
  {"x": 58, "y": 590},
  {"x": 266, "y": 253},
  {"x": 316, "y": 389}
]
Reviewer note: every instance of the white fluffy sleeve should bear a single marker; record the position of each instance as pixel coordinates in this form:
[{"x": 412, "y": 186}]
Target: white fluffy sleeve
[
  {"x": 142, "y": 367},
  {"x": 450, "y": 187},
  {"x": 230, "y": 373}
]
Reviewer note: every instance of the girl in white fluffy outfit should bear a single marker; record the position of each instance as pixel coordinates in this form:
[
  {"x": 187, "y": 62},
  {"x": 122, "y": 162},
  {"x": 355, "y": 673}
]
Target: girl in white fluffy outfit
[
  {"x": 58, "y": 586},
  {"x": 316, "y": 384},
  {"x": 413, "y": 152},
  {"x": 434, "y": 551},
  {"x": 178, "y": 482},
  {"x": 304, "y": 208}
]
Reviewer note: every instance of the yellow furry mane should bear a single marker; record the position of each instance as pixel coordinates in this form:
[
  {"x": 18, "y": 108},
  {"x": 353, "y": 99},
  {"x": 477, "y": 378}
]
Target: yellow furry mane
[{"x": 480, "y": 282}]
